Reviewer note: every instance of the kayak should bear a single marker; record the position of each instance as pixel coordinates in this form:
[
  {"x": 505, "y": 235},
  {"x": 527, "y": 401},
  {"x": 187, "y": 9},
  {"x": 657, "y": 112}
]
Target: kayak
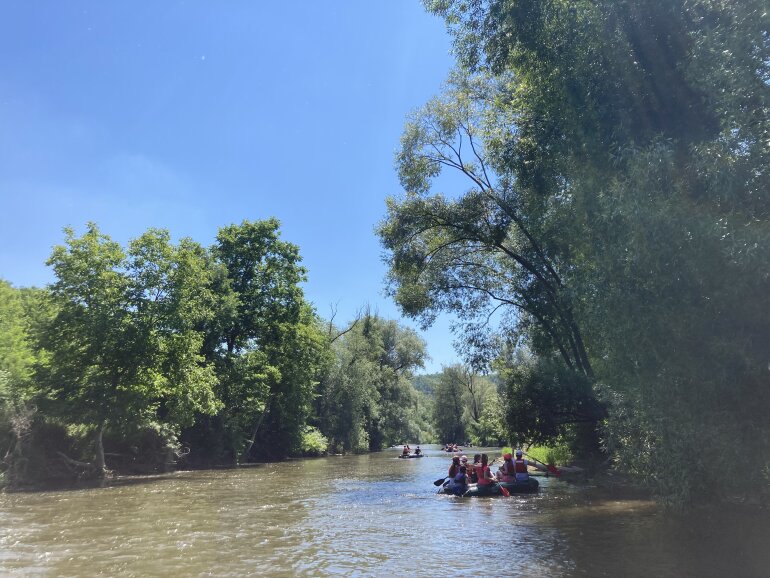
[
  {"x": 531, "y": 486},
  {"x": 404, "y": 456}
]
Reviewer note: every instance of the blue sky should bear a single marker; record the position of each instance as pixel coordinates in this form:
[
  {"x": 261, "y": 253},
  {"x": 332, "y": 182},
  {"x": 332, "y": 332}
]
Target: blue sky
[{"x": 194, "y": 115}]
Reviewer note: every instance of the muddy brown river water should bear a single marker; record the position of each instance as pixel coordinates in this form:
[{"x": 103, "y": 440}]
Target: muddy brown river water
[{"x": 370, "y": 515}]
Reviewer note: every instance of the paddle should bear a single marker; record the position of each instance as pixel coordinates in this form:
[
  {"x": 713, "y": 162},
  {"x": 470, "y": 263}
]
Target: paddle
[
  {"x": 439, "y": 481},
  {"x": 503, "y": 490},
  {"x": 550, "y": 467}
]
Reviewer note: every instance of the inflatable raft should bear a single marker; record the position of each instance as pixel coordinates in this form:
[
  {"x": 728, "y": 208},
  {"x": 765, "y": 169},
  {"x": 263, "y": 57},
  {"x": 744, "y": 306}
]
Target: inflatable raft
[{"x": 531, "y": 486}]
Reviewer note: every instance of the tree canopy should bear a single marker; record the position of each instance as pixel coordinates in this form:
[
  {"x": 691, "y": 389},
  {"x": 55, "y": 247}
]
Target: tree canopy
[
  {"x": 140, "y": 356},
  {"x": 367, "y": 401},
  {"x": 616, "y": 157}
]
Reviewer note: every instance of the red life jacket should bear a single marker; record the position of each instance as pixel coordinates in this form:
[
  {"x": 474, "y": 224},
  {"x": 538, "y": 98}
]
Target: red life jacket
[
  {"x": 481, "y": 478},
  {"x": 509, "y": 471},
  {"x": 454, "y": 469},
  {"x": 520, "y": 466}
]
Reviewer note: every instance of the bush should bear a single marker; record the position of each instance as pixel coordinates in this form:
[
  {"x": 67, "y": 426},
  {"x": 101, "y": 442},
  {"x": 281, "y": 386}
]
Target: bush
[
  {"x": 558, "y": 454},
  {"x": 314, "y": 443}
]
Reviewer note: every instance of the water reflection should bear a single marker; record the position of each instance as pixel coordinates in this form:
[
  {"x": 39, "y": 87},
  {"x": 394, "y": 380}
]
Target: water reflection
[{"x": 360, "y": 516}]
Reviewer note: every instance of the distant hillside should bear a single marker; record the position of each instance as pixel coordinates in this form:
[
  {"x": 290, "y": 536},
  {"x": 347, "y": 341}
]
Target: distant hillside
[{"x": 426, "y": 383}]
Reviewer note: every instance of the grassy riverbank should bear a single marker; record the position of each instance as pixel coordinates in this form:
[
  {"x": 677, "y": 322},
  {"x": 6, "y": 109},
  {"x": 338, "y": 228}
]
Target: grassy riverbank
[{"x": 556, "y": 455}]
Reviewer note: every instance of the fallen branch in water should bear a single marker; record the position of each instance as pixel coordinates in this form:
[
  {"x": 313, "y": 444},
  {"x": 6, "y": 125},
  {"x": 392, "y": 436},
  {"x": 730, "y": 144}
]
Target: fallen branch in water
[
  {"x": 75, "y": 463},
  {"x": 84, "y": 470}
]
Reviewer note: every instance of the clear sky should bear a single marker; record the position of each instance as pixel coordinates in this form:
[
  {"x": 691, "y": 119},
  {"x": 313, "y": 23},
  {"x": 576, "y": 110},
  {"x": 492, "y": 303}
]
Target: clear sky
[{"x": 194, "y": 115}]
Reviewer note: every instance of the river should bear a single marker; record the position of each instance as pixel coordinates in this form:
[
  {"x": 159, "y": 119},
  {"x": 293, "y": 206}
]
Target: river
[{"x": 369, "y": 515}]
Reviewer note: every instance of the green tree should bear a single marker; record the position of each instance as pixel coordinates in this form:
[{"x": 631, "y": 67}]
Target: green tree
[
  {"x": 466, "y": 406},
  {"x": 367, "y": 400},
  {"x": 491, "y": 429},
  {"x": 301, "y": 355},
  {"x": 636, "y": 133},
  {"x": 347, "y": 392},
  {"x": 486, "y": 255},
  {"x": 481, "y": 253},
  {"x": 265, "y": 342},
  {"x": 16, "y": 351},
  {"x": 123, "y": 351},
  {"x": 263, "y": 274},
  {"x": 17, "y": 388},
  {"x": 449, "y": 406},
  {"x": 398, "y": 352},
  {"x": 547, "y": 402}
]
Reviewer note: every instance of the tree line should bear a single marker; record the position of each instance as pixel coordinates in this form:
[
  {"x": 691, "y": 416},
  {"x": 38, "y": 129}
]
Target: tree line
[
  {"x": 608, "y": 255},
  {"x": 140, "y": 357}
]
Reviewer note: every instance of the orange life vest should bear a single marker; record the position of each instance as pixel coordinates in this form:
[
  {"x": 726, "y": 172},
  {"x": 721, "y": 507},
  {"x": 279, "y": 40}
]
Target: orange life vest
[{"x": 480, "y": 475}]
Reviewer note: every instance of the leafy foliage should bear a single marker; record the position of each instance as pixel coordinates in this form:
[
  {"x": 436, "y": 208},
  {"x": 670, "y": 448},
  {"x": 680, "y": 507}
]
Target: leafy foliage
[
  {"x": 314, "y": 443},
  {"x": 367, "y": 401},
  {"x": 467, "y": 406},
  {"x": 632, "y": 141},
  {"x": 123, "y": 351},
  {"x": 265, "y": 342},
  {"x": 448, "y": 408},
  {"x": 166, "y": 351}
]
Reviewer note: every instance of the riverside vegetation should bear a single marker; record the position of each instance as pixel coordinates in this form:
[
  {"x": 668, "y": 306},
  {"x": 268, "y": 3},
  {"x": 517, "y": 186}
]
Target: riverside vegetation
[
  {"x": 607, "y": 267},
  {"x": 136, "y": 358},
  {"x": 608, "y": 254}
]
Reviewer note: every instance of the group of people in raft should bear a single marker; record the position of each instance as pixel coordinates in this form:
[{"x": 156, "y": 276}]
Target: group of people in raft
[
  {"x": 461, "y": 474},
  {"x": 407, "y": 450}
]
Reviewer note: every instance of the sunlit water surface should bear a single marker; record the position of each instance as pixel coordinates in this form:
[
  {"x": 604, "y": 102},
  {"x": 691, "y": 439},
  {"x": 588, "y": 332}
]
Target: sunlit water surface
[{"x": 371, "y": 515}]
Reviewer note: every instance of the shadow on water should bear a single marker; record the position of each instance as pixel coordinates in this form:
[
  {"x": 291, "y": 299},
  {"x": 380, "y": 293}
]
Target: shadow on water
[{"x": 80, "y": 485}]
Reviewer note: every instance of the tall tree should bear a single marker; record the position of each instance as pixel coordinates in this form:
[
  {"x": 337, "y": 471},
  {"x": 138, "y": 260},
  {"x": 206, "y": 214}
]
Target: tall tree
[
  {"x": 123, "y": 351},
  {"x": 367, "y": 401},
  {"x": 466, "y": 406},
  {"x": 485, "y": 255},
  {"x": 265, "y": 341},
  {"x": 448, "y": 406},
  {"x": 18, "y": 357},
  {"x": 637, "y": 132}
]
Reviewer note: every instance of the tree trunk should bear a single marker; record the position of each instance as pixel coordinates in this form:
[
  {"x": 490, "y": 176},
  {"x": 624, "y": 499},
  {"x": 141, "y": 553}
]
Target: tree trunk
[
  {"x": 101, "y": 466},
  {"x": 253, "y": 439}
]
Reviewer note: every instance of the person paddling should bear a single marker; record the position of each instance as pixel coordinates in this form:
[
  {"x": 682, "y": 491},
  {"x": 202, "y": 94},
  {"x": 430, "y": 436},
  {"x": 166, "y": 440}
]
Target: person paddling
[
  {"x": 520, "y": 468},
  {"x": 507, "y": 472},
  {"x": 417, "y": 451},
  {"x": 485, "y": 479},
  {"x": 460, "y": 482},
  {"x": 476, "y": 463},
  {"x": 454, "y": 468}
]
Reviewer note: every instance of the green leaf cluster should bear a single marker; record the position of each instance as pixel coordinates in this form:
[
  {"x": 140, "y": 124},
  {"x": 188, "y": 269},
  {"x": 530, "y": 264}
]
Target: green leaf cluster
[
  {"x": 615, "y": 227},
  {"x": 366, "y": 401}
]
